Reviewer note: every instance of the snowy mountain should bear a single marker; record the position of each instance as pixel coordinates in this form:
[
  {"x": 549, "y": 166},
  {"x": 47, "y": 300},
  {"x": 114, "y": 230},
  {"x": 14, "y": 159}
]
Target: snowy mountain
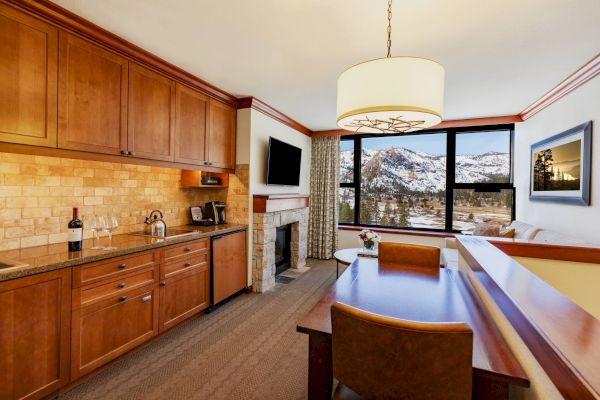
[{"x": 400, "y": 169}]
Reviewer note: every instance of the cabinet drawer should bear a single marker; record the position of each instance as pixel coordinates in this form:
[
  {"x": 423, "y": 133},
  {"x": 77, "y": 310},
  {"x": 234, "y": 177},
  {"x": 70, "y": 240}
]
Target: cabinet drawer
[
  {"x": 184, "y": 264},
  {"x": 113, "y": 268},
  {"x": 93, "y": 293},
  {"x": 106, "y": 329},
  {"x": 189, "y": 248}
]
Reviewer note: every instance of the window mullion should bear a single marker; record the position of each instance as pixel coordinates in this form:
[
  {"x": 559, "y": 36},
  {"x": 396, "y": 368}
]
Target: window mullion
[
  {"x": 357, "y": 178},
  {"x": 450, "y": 177}
]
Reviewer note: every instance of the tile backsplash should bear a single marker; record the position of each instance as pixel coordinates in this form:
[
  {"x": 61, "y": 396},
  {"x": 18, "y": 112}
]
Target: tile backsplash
[{"x": 37, "y": 195}]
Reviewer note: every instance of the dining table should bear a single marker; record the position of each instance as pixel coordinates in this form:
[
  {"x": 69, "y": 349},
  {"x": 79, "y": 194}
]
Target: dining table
[{"x": 412, "y": 293}]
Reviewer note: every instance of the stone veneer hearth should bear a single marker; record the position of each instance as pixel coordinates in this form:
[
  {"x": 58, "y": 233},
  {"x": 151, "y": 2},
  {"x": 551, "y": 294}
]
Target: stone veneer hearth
[{"x": 263, "y": 257}]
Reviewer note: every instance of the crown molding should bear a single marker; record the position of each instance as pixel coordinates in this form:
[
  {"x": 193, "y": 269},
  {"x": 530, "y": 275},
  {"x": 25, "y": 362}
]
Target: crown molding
[
  {"x": 261, "y": 106},
  {"x": 463, "y": 123},
  {"x": 73, "y": 23},
  {"x": 455, "y": 123},
  {"x": 584, "y": 74}
]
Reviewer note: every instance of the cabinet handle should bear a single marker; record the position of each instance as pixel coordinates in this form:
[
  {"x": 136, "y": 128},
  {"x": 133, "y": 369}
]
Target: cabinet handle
[
  {"x": 124, "y": 152},
  {"x": 132, "y": 153},
  {"x": 163, "y": 283},
  {"x": 147, "y": 298},
  {"x": 187, "y": 249},
  {"x": 122, "y": 266},
  {"x": 121, "y": 285},
  {"x": 122, "y": 299},
  {"x": 187, "y": 264}
]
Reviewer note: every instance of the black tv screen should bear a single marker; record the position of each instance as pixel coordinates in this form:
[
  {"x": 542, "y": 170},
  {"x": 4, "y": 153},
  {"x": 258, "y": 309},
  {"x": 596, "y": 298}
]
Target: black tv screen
[{"x": 283, "y": 163}]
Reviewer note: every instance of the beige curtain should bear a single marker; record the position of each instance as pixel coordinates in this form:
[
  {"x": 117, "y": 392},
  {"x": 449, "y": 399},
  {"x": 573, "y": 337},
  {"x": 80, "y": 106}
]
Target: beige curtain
[{"x": 324, "y": 188}]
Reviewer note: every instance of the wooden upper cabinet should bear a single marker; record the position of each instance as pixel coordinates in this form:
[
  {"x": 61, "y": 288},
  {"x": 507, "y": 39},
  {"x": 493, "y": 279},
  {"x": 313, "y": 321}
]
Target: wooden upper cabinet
[
  {"x": 35, "y": 314},
  {"x": 92, "y": 110},
  {"x": 190, "y": 126},
  {"x": 28, "y": 63},
  {"x": 220, "y": 138},
  {"x": 151, "y": 115}
]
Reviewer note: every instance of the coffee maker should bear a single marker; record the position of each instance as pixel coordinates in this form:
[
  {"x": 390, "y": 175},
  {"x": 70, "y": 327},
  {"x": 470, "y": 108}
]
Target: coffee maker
[{"x": 215, "y": 210}]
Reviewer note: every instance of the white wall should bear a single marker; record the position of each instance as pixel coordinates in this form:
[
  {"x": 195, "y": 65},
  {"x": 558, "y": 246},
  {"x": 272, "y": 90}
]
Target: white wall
[
  {"x": 263, "y": 126},
  {"x": 579, "y": 106},
  {"x": 253, "y": 131}
]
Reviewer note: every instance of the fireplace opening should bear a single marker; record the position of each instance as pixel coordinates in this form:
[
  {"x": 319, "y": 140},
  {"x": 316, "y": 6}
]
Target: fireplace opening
[{"x": 283, "y": 237}]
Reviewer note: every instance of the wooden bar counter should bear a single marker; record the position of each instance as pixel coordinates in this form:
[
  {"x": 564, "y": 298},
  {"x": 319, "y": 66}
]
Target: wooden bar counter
[{"x": 412, "y": 293}]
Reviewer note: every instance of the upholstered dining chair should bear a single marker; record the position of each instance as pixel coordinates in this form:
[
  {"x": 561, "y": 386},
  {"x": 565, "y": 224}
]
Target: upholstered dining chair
[
  {"x": 413, "y": 254},
  {"x": 376, "y": 357}
]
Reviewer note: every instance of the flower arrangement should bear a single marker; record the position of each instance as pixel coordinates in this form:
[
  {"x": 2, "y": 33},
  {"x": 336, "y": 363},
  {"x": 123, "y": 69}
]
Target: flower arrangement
[{"x": 369, "y": 238}]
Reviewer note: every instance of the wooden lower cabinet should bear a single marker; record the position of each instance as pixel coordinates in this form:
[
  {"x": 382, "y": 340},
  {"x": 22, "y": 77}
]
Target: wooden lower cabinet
[
  {"x": 184, "y": 295},
  {"x": 105, "y": 330},
  {"x": 230, "y": 269},
  {"x": 35, "y": 316}
]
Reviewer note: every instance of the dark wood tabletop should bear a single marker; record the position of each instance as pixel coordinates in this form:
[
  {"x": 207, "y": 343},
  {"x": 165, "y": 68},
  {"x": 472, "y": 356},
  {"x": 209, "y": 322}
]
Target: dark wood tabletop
[{"x": 417, "y": 294}]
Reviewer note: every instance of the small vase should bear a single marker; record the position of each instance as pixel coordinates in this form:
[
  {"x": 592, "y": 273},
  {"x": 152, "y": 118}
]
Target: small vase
[{"x": 369, "y": 245}]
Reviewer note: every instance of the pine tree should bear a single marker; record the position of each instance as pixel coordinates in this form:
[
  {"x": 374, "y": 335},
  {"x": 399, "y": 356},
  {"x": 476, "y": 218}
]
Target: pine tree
[
  {"x": 346, "y": 212},
  {"x": 403, "y": 214},
  {"x": 387, "y": 214}
]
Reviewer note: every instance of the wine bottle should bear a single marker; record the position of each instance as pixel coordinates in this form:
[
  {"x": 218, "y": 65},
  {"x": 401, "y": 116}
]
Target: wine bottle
[{"x": 75, "y": 232}]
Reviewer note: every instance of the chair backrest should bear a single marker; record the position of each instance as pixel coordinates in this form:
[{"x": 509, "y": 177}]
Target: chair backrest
[
  {"x": 414, "y": 254},
  {"x": 388, "y": 358}
]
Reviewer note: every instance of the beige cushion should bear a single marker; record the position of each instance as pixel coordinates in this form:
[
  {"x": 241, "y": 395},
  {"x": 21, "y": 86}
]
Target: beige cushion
[
  {"x": 507, "y": 233},
  {"x": 486, "y": 230},
  {"x": 523, "y": 230}
]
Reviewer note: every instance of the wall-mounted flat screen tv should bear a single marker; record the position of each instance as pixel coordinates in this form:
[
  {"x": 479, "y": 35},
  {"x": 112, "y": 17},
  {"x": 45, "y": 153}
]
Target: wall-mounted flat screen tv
[{"x": 283, "y": 163}]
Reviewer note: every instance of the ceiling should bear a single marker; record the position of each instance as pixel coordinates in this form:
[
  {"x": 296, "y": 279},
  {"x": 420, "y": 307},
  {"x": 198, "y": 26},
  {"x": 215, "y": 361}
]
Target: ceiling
[{"x": 499, "y": 55}]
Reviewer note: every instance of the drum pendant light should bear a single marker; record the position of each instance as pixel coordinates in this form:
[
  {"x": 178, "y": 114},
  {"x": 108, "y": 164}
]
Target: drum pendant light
[{"x": 391, "y": 94}]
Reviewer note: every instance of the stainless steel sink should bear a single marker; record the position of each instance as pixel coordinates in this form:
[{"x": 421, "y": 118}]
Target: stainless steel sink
[
  {"x": 170, "y": 234},
  {"x": 7, "y": 264}
]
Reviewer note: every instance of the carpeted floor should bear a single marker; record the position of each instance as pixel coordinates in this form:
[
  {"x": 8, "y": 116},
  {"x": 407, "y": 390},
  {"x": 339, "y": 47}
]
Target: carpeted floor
[{"x": 246, "y": 349}]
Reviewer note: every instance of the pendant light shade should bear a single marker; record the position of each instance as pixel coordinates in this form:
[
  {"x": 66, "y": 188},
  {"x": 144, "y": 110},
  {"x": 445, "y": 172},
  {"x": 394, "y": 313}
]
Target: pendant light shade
[{"x": 391, "y": 95}]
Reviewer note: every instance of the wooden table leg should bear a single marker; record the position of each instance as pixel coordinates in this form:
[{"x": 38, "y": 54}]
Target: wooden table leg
[
  {"x": 320, "y": 372},
  {"x": 489, "y": 389}
]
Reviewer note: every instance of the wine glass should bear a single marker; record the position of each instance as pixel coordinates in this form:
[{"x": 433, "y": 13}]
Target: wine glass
[
  {"x": 95, "y": 226},
  {"x": 109, "y": 224}
]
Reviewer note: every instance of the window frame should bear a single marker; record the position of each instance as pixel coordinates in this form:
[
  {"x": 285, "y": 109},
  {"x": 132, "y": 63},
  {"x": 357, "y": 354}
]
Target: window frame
[{"x": 451, "y": 183}]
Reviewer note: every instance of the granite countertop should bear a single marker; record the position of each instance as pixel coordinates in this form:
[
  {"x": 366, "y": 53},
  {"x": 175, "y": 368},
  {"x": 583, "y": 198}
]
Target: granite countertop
[{"x": 50, "y": 257}]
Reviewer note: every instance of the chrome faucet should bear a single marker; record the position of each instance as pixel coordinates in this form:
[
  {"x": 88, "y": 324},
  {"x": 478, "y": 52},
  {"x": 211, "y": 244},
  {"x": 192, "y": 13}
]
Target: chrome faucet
[{"x": 157, "y": 225}]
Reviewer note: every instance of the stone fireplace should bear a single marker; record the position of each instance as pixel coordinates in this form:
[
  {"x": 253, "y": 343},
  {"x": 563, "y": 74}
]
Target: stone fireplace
[{"x": 272, "y": 212}]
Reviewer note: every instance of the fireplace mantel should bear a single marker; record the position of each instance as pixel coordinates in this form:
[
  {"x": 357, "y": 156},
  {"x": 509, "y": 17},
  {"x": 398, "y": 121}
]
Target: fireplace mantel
[{"x": 266, "y": 203}]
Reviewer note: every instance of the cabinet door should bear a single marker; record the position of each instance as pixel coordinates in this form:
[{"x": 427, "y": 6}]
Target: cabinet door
[
  {"x": 151, "y": 115},
  {"x": 190, "y": 126},
  {"x": 107, "y": 329},
  {"x": 35, "y": 317},
  {"x": 220, "y": 140},
  {"x": 28, "y": 53},
  {"x": 183, "y": 296},
  {"x": 229, "y": 265},
  {"x": 92, "y": 109}
]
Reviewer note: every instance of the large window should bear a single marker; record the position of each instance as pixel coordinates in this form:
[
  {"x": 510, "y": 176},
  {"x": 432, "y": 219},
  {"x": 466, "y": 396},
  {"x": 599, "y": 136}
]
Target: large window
[{"x": 434, "y": 180}]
